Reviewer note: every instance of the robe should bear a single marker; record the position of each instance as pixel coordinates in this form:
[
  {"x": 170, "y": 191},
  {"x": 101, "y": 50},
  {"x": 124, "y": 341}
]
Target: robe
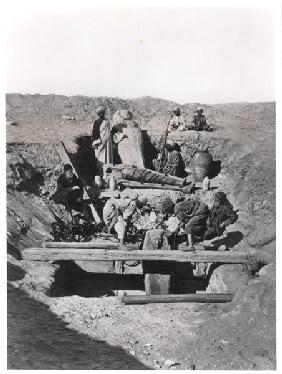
[{"x": 102, "y": 130}]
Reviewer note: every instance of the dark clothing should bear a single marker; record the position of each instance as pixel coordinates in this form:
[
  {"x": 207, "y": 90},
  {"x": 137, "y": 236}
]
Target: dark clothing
[
  {"x": 96, "y": 129},
  {"x": 222, "y": 213},
  {"x": 172, "y": 164},
  {"x": 193, "y": 214},
  {"x": 66, "y": 195},
  {"x": 200, "y": 122}
]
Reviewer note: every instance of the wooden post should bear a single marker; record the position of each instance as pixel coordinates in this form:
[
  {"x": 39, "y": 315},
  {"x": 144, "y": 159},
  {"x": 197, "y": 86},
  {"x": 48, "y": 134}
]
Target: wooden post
[
  {"x": 157, "y": 284},
  {"x": 189, "y": 298}
]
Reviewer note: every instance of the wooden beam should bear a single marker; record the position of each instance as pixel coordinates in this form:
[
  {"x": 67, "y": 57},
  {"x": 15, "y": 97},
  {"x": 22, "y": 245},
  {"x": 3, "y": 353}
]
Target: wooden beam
[
  {"x": 98, "y": 243},
  {"x": 186, "y": 298},
  {"x": 108, "y": 244},
  {"x": 65, "y": 158},
  {"x": 96, "y": 254}
]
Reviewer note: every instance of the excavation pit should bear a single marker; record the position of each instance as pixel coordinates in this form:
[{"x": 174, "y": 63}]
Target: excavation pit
[{"x": 70, "y": 279}]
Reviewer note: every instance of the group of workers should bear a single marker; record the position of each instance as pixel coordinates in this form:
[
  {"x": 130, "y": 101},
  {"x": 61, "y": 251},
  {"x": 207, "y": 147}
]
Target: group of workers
[
  {"x": 189, "y": 220},
  {"x": 178, "y": 122},
  {"x": 189, "y": 217}
]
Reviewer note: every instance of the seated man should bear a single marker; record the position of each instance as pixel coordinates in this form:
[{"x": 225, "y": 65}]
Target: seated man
[
  {"x": 193, "y": 215},
  {"x": 123, "y": 207},
  {"x": 221, "y": 215},
  {"x": 177, "y": 121},
  {"x": 170, "y": 162},
  {"x": 200, "y": 122},
  {"x": 70, "y": 192}
]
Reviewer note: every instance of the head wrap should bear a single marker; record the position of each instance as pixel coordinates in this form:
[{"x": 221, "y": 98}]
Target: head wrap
[
  {"x": 171, "y": 143},
  {"x": 67, "y": 167},
  {"x": 142, "y": 199},
  {"x": 199, "y": 109},
  {"x": 100, "y": 109},
  {"x": 176, "y": 109}
]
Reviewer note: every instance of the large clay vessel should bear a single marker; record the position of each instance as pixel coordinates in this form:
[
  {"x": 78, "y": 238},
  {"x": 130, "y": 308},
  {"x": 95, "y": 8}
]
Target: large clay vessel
[{"x": 201, "y": 165}]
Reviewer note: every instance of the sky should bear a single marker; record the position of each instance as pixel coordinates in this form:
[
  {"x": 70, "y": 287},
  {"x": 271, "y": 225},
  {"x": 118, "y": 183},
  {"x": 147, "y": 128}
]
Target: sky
[{"x": 181, "y": 51}]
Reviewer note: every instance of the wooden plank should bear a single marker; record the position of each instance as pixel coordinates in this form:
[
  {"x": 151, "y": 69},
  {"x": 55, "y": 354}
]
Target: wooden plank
[
  {"x": 186, "y": 298},
  {"x": 157, "y": 284},
  {"x": 96, "y": 254},
  {"x": 65, "y": 158},
  {"x": 98, "y": 243}
]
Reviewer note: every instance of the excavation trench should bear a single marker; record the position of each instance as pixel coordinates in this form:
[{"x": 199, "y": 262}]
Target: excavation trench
[
  {"x": 237, "y": 335},
  {"x": 33, "y": 172},
  {"x": 86, "y": 294}
]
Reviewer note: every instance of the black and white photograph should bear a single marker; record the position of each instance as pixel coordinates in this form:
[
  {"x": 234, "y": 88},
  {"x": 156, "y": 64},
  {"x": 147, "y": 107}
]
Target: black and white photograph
[{"x": 141, "y": 184}]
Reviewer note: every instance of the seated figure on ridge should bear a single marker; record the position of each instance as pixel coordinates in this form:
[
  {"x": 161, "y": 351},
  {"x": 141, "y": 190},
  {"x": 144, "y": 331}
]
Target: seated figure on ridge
[
  {"x": 199, "y": 122},
  {"x": 177, "y": 122}
]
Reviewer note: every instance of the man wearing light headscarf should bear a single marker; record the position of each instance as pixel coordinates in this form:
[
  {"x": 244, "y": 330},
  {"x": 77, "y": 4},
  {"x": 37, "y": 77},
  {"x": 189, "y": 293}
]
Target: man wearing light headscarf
[
  {"x": 177, "y": 121},
  {"x": 102, "y": 140}
]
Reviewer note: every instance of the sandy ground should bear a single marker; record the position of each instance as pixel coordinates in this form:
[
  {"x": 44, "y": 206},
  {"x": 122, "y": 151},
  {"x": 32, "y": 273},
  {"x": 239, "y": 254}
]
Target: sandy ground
[{"x": 64, "y": 332}]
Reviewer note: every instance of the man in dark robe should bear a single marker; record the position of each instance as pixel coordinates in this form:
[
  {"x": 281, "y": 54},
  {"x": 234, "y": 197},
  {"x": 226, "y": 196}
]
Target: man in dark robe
[
  {"x": 171, "y": 162},
  {"x": 193, "y": 215},
  {"x": 200, "y": 122},
  {"x": 70, "y": 192},
  {"x": 221, "y": 215}
]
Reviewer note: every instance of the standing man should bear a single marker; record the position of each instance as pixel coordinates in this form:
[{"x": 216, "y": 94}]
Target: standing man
[
  {"x": 199, "y": 121},
  {"x": 102, "y": 140},
  {"x": 177, "y": 121}
]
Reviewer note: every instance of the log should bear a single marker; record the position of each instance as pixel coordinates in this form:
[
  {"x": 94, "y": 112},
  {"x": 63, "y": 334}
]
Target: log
[
  {"x": 157, "y": 284},
  {"x": 188, "y": 298},
  {"x": 96, "y": 254},
  {"x": 99, "y": 243},
  {"x": 65, "y": 158}
]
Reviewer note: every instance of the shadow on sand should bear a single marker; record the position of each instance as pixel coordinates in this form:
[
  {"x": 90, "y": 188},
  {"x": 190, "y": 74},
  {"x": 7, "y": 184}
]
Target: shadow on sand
[{"x": 37, "y": 339}]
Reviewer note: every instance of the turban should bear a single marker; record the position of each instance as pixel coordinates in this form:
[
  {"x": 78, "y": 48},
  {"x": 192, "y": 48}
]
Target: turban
[
  {"x": 176, "y": 109},
  {"x": 171, "y": 142},
  {"x": 100, "y": 109}
]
